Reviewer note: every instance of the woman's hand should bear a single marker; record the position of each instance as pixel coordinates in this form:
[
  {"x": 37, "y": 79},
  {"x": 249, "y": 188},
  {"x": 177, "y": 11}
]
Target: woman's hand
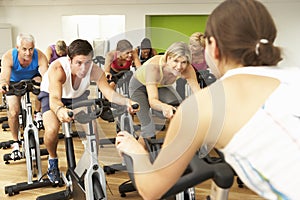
[
  {"x": 168, "y": 111},
  {"x": 127, "y": 144},
  {"x": 108, "y": 75},
  {"x": 132, "y": 106}
]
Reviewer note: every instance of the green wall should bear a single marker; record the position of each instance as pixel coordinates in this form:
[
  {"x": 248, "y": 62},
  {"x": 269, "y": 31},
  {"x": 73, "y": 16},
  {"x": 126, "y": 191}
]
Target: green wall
[{"x": 163, "y": 30}]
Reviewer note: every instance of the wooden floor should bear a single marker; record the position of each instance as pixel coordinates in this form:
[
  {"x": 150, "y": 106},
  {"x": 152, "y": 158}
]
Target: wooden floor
[{"x": 15, "y": 172}]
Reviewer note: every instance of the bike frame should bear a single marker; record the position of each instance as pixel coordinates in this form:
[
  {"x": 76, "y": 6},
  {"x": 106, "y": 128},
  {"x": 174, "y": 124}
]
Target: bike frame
[{"x": 31, "y": 154}]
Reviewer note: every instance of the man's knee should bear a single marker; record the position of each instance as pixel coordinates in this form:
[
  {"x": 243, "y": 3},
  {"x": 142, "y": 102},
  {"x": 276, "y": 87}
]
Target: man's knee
[
  {"x": 51, "y": 133},
  {"x": 13, "y": 113}
]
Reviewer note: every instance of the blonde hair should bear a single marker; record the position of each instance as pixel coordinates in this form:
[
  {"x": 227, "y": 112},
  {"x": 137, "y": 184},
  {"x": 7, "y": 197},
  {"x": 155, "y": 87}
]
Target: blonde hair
[
  {"x": 61, "y": 46},
  {"x": 199, "y": 38},
  {"x": 178, "y": 49}
]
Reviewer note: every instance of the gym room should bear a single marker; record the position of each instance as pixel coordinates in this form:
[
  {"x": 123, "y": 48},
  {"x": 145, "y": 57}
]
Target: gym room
[{"x": 103, "y": 23}]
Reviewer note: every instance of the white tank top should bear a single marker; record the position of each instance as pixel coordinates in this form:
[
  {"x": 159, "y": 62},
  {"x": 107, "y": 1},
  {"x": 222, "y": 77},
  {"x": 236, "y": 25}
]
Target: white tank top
[
  {"x": 265, "y": 153},
  {"x": 68, "y": 91}
]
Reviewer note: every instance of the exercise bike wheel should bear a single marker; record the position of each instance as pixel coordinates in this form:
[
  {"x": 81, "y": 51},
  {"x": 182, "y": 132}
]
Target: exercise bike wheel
[{"x": 97, "y": 187}]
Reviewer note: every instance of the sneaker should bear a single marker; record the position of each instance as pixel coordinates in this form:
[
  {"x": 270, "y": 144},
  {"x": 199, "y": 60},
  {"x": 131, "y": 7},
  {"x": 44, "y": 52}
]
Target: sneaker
[
  {"x": 53, "y": 171},
  {"x": 16, "y": 155},
  {"x": 38, "y": 120}
]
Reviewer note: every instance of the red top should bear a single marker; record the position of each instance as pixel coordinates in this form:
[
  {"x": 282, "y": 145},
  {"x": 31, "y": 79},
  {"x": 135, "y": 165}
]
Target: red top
[{"x": 118, "y": 67}]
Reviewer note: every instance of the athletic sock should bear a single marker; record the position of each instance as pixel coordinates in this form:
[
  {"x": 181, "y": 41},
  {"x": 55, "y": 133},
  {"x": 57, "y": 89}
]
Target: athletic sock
[{"x": 15, "y": 146}]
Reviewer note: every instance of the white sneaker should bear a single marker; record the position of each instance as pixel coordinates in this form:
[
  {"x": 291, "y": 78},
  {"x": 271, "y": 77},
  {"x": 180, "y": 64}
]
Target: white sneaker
[
  {"x": 16, "y": 154},
  {"x": 38, "y": 119},
  {"x": 38, "y": 116}
]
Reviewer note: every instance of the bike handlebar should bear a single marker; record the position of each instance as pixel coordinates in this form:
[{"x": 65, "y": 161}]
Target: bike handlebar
[
  {"x": 198, "y": 171},
  {"x": 120, "y": 109},
  {"x": 83, "y": 117},
  {"x": 97, "y": 107},
  {"x": 20, "y": 88}
]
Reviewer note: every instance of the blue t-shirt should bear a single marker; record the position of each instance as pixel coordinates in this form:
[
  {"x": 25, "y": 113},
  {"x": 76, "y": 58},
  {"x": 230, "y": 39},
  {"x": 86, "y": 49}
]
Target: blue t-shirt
[{"x": 18, "y": 72}]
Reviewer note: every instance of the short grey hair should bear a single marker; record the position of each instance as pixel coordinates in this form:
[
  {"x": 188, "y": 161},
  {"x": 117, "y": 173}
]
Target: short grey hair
[{"x": 25, "y": 36}]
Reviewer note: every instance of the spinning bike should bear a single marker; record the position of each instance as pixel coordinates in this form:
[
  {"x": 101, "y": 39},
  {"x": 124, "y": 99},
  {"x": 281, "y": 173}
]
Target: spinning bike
[
  {"x": 124, "y": 122},
  {"x": 3, "y": 106},
  {"x": 153, "y": 145},
  {"x": 29, "y": 139},
  {"x": 86, "y": 179},
  {"x": 198, "y": 171},
  {"x": 121, "y": 79}
]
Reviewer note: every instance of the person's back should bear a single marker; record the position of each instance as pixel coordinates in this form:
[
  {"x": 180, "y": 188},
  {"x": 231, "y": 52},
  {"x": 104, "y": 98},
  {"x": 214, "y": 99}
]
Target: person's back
[
  {"x": 274, "y": 145},
  {"x": 56, "y": 51}
]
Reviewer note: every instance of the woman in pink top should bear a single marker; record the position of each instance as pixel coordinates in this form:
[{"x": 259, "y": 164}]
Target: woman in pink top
[
  {"x": 197, "y": 45},
  {"x": 119, "y": 60}
]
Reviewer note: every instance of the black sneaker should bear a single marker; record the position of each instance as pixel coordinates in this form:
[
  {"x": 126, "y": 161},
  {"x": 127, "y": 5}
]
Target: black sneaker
[{"x": 53, "y": 171}]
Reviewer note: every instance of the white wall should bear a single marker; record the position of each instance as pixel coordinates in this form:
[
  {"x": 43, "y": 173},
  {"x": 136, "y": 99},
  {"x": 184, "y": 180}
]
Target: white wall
[
  {"x": 5, "y": 38},
  {"x": 43, "y": 18},
  {"x": 286, "y": 15}
]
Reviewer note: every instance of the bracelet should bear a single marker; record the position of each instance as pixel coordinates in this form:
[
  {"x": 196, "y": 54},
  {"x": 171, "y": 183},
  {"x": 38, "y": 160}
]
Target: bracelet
[{"x": 59, "y": 107}]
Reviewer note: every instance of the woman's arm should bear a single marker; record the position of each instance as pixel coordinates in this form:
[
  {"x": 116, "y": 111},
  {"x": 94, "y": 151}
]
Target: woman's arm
[
  {"x": 43, "y": 62},
  {"x": 156, "y": 104},
  {"x": 154, "y": 52},
  {"x": 190, "y": 75},
  {"x": 48, "y": 53},
  {"x": 135, "y": 58},
  {"x": 153, "y": 77},
  {"x": 98, "y": 75},
  {"x": 109, "y": 58},
  {"x": 183, "y": 138}
]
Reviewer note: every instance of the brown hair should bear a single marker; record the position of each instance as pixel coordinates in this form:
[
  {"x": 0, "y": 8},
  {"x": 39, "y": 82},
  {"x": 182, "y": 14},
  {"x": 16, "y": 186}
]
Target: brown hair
[
  {"x": 80, "y": 47},
  {"x": 238, "y": 27}
]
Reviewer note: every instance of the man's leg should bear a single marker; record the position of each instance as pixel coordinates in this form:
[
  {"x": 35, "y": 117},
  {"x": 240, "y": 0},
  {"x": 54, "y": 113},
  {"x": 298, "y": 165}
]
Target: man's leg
[
  {"x": 51, "y": 141},
  {"x": 13, "y": 110}
]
